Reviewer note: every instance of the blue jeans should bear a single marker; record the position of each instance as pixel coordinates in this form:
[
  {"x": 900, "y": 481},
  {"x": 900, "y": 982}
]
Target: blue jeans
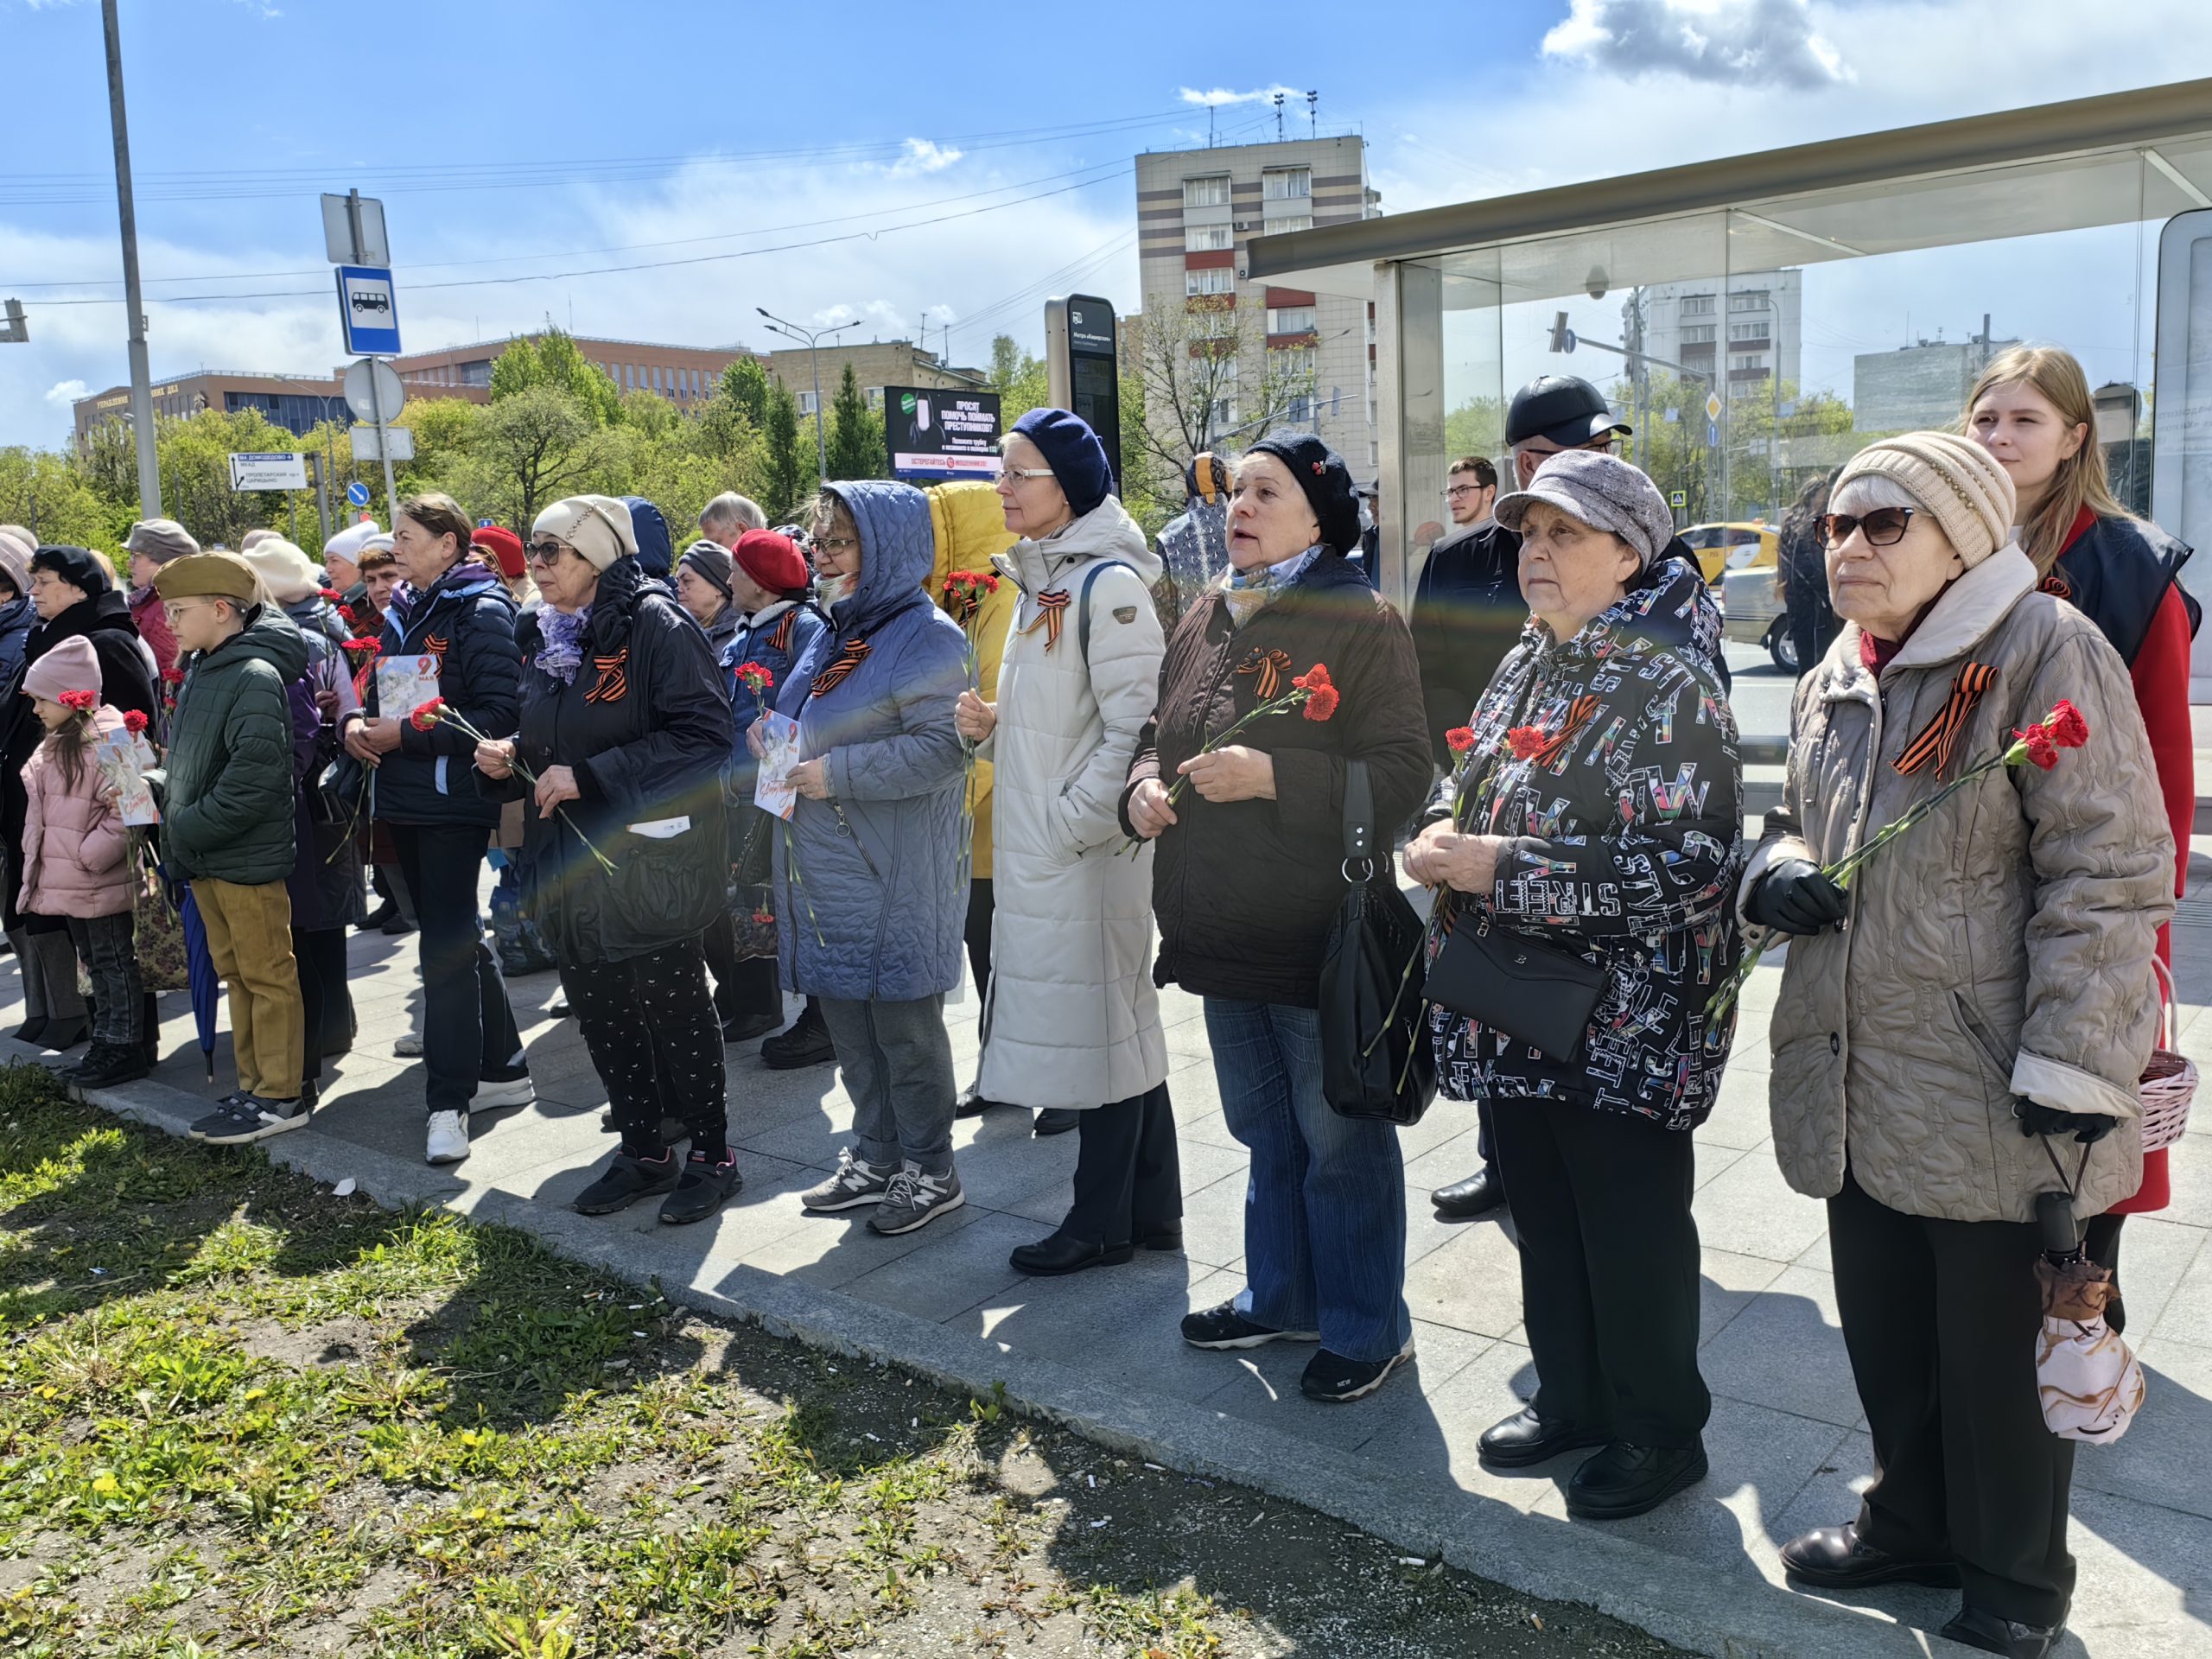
[{"x": 1325, "y": 1208}]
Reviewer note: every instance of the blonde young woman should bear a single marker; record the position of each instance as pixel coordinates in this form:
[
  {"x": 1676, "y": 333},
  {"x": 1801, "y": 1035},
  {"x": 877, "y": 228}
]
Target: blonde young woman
[{"x": 2032, "y": 412}]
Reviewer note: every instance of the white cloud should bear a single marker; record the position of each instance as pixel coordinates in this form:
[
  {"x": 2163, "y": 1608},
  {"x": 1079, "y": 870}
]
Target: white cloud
[
  {"x": 1761, "y": 43},
  {"x": 1220, "y": 95},
  {"x": 924, "y": 156},
  {"x": 62, "y": 393}
]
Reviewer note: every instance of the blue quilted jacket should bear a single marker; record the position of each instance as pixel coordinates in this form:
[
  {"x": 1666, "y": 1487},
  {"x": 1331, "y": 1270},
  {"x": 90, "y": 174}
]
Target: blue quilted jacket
[{"x": 869, "y": 894}]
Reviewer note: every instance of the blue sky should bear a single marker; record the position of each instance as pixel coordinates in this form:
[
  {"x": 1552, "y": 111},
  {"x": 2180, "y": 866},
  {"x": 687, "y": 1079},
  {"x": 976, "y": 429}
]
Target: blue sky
[{"x": 552, "y": 141}]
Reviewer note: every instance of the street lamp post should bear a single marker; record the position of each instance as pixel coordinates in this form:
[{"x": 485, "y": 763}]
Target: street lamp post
[
  {"x": 142, "y": 395},
  {"x": 778, "y": 325}
]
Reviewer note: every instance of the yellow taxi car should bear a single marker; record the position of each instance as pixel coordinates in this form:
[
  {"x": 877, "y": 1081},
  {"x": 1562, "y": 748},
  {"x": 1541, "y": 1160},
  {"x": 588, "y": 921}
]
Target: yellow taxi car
[{"x": 1723, "y": 548}]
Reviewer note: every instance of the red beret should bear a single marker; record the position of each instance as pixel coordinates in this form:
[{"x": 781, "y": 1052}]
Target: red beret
[
  {"x": 502, "y": 544},
  {"x": 772, "y": 561}
]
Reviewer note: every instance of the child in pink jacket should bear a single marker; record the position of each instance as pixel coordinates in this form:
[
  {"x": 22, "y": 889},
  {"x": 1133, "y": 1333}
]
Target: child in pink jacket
[{"x": 77, "y": 853}]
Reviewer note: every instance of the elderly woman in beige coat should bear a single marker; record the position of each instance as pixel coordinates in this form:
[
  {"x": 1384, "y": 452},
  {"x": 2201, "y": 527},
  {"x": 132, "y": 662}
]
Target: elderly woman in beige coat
[
  {"x": 1962, "y": 1028},
  {"x": 1072, "y": 1019}
]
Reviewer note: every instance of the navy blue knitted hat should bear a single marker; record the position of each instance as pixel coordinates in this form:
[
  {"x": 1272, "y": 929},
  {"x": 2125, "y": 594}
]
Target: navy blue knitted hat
[
  {"x": 1073, "y": 452},
  {"x": 1321, "y": 472}
]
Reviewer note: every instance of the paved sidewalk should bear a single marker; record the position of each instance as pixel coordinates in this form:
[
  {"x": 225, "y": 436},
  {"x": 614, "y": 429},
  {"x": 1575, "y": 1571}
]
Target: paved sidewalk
[{"x": 1100, "y": 1350}]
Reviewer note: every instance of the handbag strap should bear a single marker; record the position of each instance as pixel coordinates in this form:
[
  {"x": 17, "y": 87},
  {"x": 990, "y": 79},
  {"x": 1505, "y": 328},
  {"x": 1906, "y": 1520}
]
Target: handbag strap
[{"x": 1359, "y": 822}]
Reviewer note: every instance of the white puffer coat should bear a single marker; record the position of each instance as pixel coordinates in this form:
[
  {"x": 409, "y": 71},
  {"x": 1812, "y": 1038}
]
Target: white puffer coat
[
  {"x": 2000, "y": 949},
  {"x": 1073, "y": 1019}
]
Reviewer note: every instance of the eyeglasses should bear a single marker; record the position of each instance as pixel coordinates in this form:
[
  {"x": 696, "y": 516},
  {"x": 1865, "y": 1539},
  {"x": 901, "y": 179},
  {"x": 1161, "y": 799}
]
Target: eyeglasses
[
  {"x": 177, "y": 607},
  {"x": 838, "y": 545},
  {"x": 542, "y": 552},
  {"x": 1885, "y": 526},
  {"x": 1459, "y": 490},
  {"x": 1015, "y": 474}
]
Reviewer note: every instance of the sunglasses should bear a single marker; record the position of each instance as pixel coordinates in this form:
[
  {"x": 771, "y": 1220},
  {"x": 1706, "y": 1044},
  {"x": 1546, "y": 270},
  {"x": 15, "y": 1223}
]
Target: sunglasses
[
  {"x": 1884, "y": 527},
  {"x": 537, "y": 552}
]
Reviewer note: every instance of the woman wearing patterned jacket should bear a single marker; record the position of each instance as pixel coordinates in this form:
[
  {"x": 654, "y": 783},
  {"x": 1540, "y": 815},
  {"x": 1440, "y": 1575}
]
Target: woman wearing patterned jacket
[{"x": 1599, "y": 811}]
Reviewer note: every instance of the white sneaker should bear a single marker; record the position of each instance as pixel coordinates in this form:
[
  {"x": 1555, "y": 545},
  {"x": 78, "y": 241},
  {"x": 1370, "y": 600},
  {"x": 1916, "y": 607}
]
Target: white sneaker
[
  {"x": 502, "y": 1091},
  {"x": 448, "y": 1137},
  {"x": 409, "y": 1047}
]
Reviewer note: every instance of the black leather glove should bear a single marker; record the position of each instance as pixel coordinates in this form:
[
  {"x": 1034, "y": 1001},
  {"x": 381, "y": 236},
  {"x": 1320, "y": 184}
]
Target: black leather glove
[
  {"x": 1794, "y": 897},
  {"x": 2087, "y": 1128}
]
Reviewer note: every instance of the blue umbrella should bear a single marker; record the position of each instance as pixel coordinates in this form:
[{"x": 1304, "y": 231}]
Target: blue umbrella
[{"x": 201, "y": 967}]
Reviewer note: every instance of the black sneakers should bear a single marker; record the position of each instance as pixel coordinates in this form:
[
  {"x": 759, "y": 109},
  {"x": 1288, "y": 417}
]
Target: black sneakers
[
  {"x": 240, "y": 1118},
  {"x": 1224, "y": 1327},
  {"x": 105, "y": 1064},
  {"x": 1334, "y": 1379},
  {"x": 627, "y": 1179},
  {"x": 702, "y": 1189}
]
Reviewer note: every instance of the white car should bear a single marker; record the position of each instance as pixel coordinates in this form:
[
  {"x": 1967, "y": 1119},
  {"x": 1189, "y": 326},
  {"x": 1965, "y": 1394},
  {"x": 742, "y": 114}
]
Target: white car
[{"x": 1754, "y": 614}]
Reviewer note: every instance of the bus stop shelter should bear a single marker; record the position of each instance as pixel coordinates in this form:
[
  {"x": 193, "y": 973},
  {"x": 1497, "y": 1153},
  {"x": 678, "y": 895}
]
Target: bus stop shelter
[{"x": 1759, "y": 318}]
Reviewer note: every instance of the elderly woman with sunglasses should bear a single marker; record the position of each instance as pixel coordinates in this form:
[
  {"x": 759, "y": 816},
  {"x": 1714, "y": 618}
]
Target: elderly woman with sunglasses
[
  {"x": 1961, "y": 1030},
  {"x": 624, "y": 734}
]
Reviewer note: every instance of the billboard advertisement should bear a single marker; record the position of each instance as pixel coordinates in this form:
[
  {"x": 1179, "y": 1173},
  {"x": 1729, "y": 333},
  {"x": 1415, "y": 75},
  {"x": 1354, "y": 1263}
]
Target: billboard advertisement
[{"x": 941, "y": 432}]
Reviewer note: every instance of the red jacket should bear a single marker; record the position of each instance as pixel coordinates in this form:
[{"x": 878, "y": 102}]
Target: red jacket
[{"x": 153, "y": 626}]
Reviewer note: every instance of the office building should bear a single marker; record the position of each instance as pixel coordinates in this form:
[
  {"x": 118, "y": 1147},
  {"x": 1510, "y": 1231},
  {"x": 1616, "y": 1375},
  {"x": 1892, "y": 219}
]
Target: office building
[
  {"x": 1197, "y": 210},
  {"x": 875, "y": 363},
  {"x": 685, "y": 375},
  {"x": 1919, "y": 385},
  {"x": 297, "y": 402}
]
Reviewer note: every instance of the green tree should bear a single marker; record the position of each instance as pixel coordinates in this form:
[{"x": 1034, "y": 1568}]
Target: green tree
[
  {"x": 55, "y": 500},
  {"x": 1020, "y": 379},
  {"x": 535, "y": 447},
  {"x": 1773, "y": 438},
  {"x": 745, "y": 382},
  {"x": 855, "y": 433},
  {"x": 194, "y": 452},
  {"x": 553, "y": 360},
  {"x": 790, "y": 463}
]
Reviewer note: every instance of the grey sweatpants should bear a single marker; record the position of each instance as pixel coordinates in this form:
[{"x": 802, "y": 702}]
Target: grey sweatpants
[{"x": 897, "y": 1067}]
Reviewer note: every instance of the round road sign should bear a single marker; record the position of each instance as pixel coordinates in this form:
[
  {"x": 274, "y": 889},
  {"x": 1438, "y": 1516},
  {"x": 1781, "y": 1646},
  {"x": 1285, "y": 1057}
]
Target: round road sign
[{"x": 358, "y": 494}]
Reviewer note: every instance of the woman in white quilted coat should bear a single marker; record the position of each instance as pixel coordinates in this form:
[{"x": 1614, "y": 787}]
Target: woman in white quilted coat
[
  {"x": 1071, "y": 1019},
  {"x": 1962, "y": 1029}
]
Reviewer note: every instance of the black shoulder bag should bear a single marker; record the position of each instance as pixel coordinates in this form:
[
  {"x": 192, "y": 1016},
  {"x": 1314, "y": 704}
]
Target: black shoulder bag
[{"x": 1376, "y": 1059}]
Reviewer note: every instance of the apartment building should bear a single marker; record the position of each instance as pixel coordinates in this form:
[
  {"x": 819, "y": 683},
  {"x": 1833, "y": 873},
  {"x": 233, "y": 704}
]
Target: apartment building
[
  {"x": 1196, "y": 210},
  {"x": 1748, "y": 327}
]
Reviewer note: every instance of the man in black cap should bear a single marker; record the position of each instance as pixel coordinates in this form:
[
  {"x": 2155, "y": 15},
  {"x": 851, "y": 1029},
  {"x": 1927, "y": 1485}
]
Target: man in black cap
[{"x": 1467, "y": 613}]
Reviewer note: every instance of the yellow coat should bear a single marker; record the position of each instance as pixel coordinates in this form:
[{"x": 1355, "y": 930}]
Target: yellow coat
[{"x": 970, "y": 531}]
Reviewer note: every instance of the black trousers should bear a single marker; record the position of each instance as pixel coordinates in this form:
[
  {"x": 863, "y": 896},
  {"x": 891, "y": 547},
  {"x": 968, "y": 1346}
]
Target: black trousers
[
  {"x": 719, "y": 945},
  {"x": 650, "y": 1027},
  {"x": 1129, "y": 1176},
  {"x": 327, "y": 1005},
  {"x": 1609, "y": 1268},
  {"x": 977, "y": 932},
  {"x": 1940, "y": 1319},
  {"x": 468, "y": 1030}
]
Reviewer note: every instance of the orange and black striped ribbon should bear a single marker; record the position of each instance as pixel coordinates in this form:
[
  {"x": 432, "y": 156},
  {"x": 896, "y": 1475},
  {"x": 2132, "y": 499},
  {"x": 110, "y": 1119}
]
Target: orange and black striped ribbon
[
  {"x": 1580, "y": 714},
  {"x": 835, "y": 675},
  {"x": 781, "y": 639},
  {"x": 1270, "y": 667},
  {"x": 1052, "y": 607},
  {"x": 1940, "y": 735},
  {"x": 614, "y": 682}
]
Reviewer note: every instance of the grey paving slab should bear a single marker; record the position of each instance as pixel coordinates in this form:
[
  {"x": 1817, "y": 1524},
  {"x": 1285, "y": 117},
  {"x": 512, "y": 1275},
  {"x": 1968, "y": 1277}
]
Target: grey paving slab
[{"x": 1102, "y": 1351}]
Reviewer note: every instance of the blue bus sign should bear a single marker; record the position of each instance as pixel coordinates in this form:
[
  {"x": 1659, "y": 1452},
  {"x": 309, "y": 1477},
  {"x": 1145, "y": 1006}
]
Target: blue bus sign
[{"x": 368, "y": 311}]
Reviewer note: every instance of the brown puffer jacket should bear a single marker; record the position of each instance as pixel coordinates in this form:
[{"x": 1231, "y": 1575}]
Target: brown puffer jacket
[
  {"x": 1246, "y": 891},
  {"x": 2001, "y": 949}
]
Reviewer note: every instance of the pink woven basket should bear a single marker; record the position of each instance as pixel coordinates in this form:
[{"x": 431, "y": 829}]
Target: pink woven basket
[{"x": 2169, "y": 1082}]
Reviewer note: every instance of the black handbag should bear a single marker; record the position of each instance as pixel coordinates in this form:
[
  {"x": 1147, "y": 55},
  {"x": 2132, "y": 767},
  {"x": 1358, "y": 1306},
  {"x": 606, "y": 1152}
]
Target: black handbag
[
  {"x": 1535, "y": 994},
  {"x": 1377, "y": 1060}
]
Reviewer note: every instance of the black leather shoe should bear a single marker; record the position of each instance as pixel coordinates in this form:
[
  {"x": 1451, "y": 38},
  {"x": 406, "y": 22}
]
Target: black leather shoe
[
  {"x": 61, "y": 1036},
  {"x": 1064, "y": 1253},
  {"x": 1524, "y": 1440},
  {"x": 1835, "y": 1558},
  {"x": 1162, "y": 1238},
  {"x": 32, "y": 1031},
  {"x": 744, "y": 1028},
  {"x": 1057, "y": 1120},
  {"x": 1975, "y": 1628},
  {"x": 1464, "y": 1200},
  {"x": 974, "y": 1105},
  {"x": 1625, "y": 1479}
]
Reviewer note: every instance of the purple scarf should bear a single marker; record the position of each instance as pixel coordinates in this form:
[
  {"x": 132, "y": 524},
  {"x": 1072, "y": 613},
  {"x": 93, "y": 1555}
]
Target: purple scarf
[{"x": 560, "y": 651}]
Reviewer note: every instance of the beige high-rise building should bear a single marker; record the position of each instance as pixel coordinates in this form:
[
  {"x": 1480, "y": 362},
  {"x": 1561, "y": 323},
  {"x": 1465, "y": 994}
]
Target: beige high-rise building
[{"x": 1196, "y": 210}]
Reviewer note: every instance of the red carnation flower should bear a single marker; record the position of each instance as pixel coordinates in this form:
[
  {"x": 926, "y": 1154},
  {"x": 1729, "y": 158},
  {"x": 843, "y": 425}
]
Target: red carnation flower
[
  {"x": 990, "y": 582},
  {"x": 363, "y": 645},
  {"x": 427, "y": 717},
  {"x": 1460, "y": 738},
  {"x": 2041, "y": 749},
  {"x": 1314, "y": 678},
  {"x": 134, "y": 721},
  {"x": 754, "y": 677},
  {"x": 1321, "y": 701},
  {"x": 174, "y": 676},
  {"x": 1525, "y": 740},
  {"x": 763, "y": 918},
  {"x": 78, "y": 702},
  {"x": 332, "y": 594},
  {"x": 2067, "y": 728}
]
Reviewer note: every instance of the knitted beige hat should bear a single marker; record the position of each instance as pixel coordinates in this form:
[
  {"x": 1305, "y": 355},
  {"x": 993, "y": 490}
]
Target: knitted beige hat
[
  {"x": 1958, "y": 483},
  {"x": 597, "y": 526}
]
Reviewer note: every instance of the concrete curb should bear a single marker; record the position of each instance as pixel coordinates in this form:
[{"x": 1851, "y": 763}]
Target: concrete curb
[{"x": 1740, "y": 1616}]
